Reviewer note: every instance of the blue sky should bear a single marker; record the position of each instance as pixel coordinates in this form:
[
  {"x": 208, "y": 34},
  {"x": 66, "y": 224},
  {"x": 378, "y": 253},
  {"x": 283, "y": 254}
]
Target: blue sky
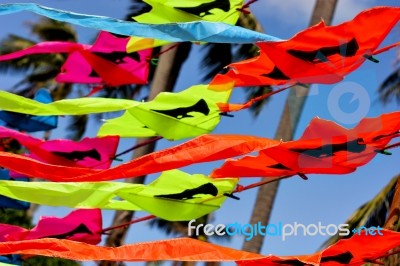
[{"x": 329, "y": 199}]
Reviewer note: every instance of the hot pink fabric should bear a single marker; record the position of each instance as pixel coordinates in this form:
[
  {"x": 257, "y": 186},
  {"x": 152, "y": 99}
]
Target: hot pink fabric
[
  {"x": 48, "y": 151},
  {"x": 46, "y": 48},
  {"x": 77, "y": 70},
  {"x": 93, "y": 63},
  {"x": 80, "y": 225}
]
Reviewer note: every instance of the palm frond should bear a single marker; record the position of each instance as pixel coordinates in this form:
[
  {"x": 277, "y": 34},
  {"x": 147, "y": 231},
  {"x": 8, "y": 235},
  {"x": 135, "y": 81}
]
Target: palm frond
[
  {"x": 121, "y": 92},
  {"x": 77, "y": 127},
  {"x": 40, "y": 77},
  {"x": 11, "y": 44},
  {"x": 40, "y": 70},
  {"x": 217, "y": 56},
  {"x": 136, "y": 8},
  {"x": 170, "y": 228},
  {"x": 181, "y": 229},
  {"x": 14, "y": 43},
  {"x": 372, "y": 213},
  {"x": 43, "y": 74},
  {"x": 50, "y": 30},
  {"x": 390, "y": 88},
  {"x": 245, "y": 51},
  {"x": 253, "y": 92},
  {"x": 249, "y": 21},
  {"x": 14, "y": 217}
]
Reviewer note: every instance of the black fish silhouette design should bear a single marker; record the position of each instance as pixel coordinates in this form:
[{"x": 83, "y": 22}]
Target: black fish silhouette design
[
  {"x": 114, "y": 57},
  {"x": 278, "y": 166},
  {"x": 208, "y": 189},
  {"x": 205, "y": 8},
  {"x": 79, "y": 155},
  {"x": 94, "y": 74},
  {"x": 118, "y": 57},
  {"x": 293, "y": 262},
  {"x": 343, "y": 258},
  {"x": 80, "y": 229},
  {"x": 276, "y": 73},
  {"x": 329, "y": 150},
  {"x": 346, "y": 49},
  {"x": 183, "y": 112}
]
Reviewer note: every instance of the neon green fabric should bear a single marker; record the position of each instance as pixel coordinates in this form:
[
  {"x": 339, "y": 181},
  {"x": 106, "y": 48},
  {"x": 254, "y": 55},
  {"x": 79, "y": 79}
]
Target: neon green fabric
[
  {"x": 125, "y": 126},
  {"x": 167, "y": 11},
  {"x": 174, "y": 196},
  {"x": 185, "y": 114},
  {"x": 174, "y": 116},
  {"x": 6, "y": 264},
  {"x": 183, "y": 11},
  {"x": 15, "y": 103}
]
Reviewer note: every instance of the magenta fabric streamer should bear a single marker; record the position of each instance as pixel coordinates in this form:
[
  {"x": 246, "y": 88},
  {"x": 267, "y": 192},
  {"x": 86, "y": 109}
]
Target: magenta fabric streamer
[
  {"x": 97, "y": 63},
  {"x": 88, "y": 153},
  {"x": 79, "y": 225}
]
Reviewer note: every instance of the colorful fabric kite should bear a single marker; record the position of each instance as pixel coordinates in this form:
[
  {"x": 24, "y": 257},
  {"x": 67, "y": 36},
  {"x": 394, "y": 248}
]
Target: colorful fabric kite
[
  {"x": 81, "y": 106},
  {"x": 325, "y": 61},
  {"x": 333, "y": 149},
  {"x": 31, "y": 123},
  {"x": 325, "y": 147},
  {"x": 107, "y": 61},
  {"x": 174, "y": 196},
  {"x": 153, "y": 11},
  {"x": 137, "y": 44},
  {"x": 6, "y": 202},
  {"x": 173, "y": 116},
  {"x": 198, "y": 31},
  {"x": 79, "y": 225},
  {"x": 86, "y": 153},
  {"x": 206, "y": 148},
  {"x": 167, "y": 11},
  {"x": 354, "y": 251},
  {"x": 319, "y": 54}
]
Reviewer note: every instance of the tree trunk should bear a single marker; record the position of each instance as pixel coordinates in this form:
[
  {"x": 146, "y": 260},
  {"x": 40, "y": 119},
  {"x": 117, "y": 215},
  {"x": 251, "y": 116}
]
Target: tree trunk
[
  {"x": 290, "y": 117},
  {"x": 393, "y": 219},
  {"x": 164, "y": 80},
  {"x": 393, "y": 223}
]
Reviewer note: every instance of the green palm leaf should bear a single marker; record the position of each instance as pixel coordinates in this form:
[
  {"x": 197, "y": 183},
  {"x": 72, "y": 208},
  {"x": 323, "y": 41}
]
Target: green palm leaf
[
  {"x": 372, "y": 213},
  {"x": 390, "y": 88}
]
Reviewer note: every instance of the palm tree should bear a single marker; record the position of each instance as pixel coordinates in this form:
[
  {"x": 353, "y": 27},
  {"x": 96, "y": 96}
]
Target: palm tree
[
  {"x": 216, "y": 57},
  {"x": 393, "y": 220},
  {"x": 20, "y": 218},
  {"x": 390, "y": 90},
  {"x": 382, "y": 210},
  {"x": 289, "y": 120},
  {"x": 41, "y": 70},
  {"x": 164, "y": 79},
  {"x": 180, "y": 229}
]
